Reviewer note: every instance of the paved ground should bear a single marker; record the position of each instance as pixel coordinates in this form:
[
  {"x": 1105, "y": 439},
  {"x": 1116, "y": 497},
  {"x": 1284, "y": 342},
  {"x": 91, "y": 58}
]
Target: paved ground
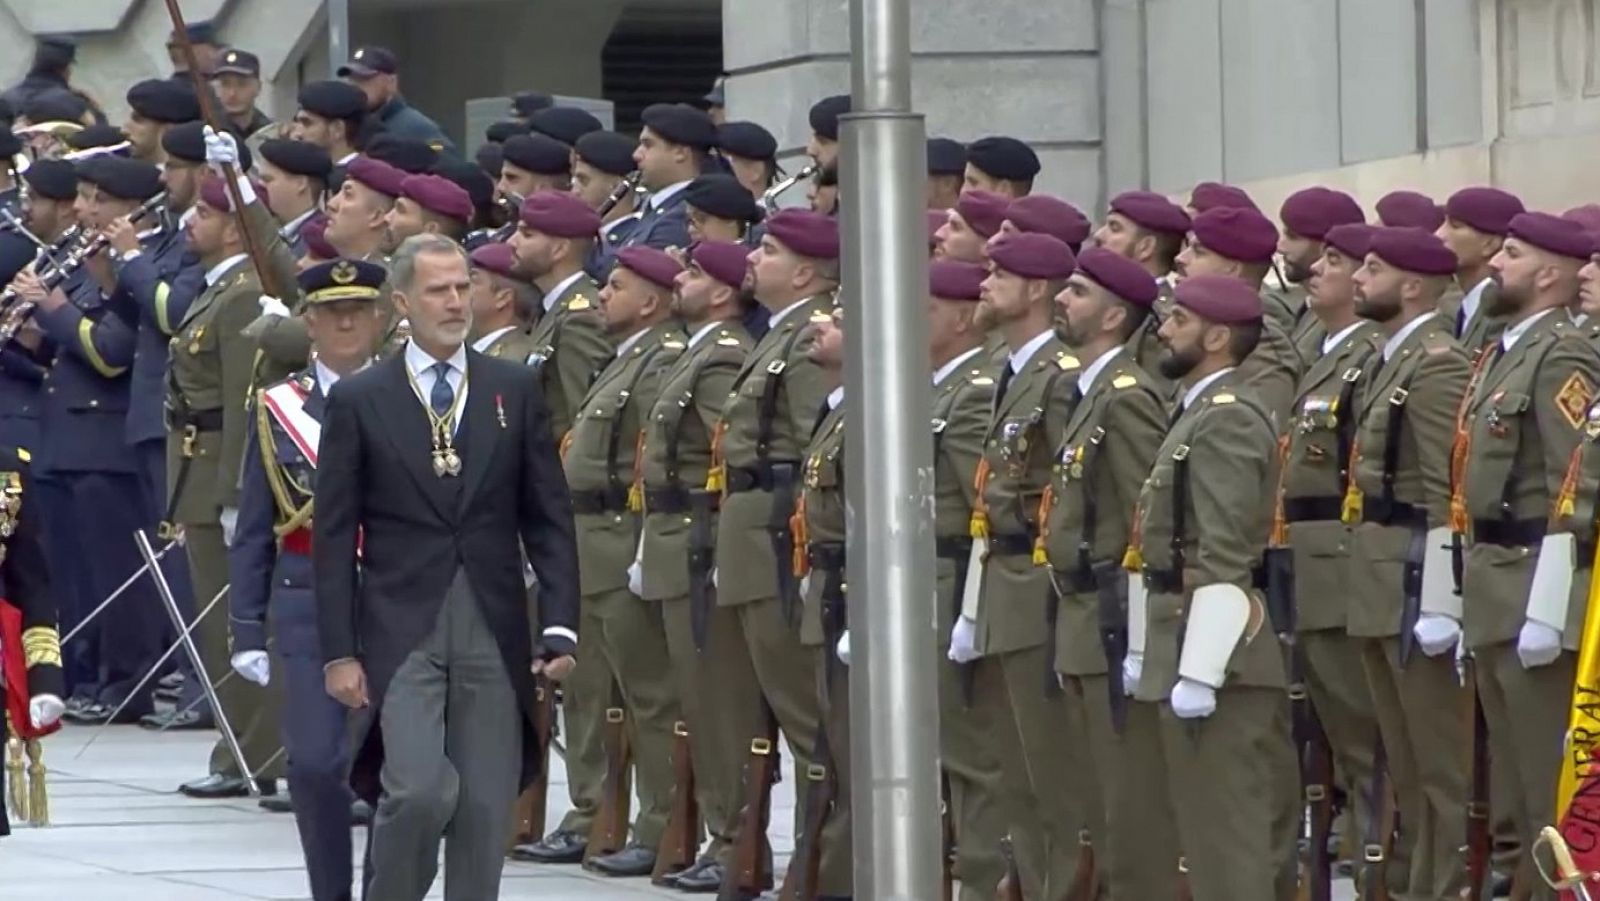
[{"x": 121, "y": 833}]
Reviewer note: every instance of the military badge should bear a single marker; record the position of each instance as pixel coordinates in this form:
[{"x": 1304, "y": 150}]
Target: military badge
[{"x": 1573, "y": 399}]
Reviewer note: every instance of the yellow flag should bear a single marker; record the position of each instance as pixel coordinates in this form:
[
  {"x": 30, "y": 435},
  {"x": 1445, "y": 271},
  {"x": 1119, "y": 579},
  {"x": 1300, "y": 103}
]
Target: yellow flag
[{"x": 1578, "y": 789}]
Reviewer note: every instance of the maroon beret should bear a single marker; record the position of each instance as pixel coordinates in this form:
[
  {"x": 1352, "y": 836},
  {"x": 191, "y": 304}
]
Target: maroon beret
[
  {"x": 560, "y": 214},
  {"x": 315, "y": 234},
  {"x": 1222, "y": 299},
  {"x": 1150, "y": 210},
  {"x": 1119, "y": 275},
  {"x": 936, "y": 221},
  {"x": 1351, "y": 239},
  {"x": 1587, "y": 216},
  {"x": 377, "y": 175},
  {"x": 955, "y": 280},
  {"x": 1051, "y": 216},
  {"x": 1210, "y": 195},
  {"x": 1408, "y": 209},
  {"x": 1489, "y": 210},
  {"x": 650, "y": 263},
  {"x": 723, "y": 260},
  {"x": 499, "y": 258},
  {"x": 1310, "y": 212},
  {"x": 1238, "y": 233},
  {"x": 806, "y": 233},
  {"x": 1555, "y": 234},
  {"x": 1032, "y": 255},
  {"x": 214, "y": 193},
  {"x": 983, "y": 210},
  {"x": 440, "y": 195},
  {"x": 1413, "y": 250}
]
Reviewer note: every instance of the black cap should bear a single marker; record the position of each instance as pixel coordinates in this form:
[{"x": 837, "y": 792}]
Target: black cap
[
  {"x": 96, "y": 136},
  {"x": 199, "y": 33},
  {"x": 489, "y": 157},
  {"x": 477, "y": 183},
  {"x": 238, "y": 62},
  {"x": 747, "y": 140},
  {"x": 681, "y": 123},
  {"x": 55, "y": 179},
  {"x": 122, "y": 177},
  {"x": 721, "y": 195},
  {"x": 297, "y": 157},
  {"x": 342, "y": 280},
  {"x": 607, "y": 151},
  {"x": 1004, "y": 157},
  {"x": 55, "y": 51},
  {"x": 526, "y": 103},
  {"x": 369, "y": 61},
  {"x": 540, "y": 154},
  {"x": 409, "y": 155},
  {"x": 55, "y": 105},
  {"x": 187, "y": 142},
  {"x": 333, "y": 99},
  {"x": 164, "y": 100},
  {"x": 946, "y": 157},
  {"x": 825, "y": 115},
  {"x": 498, "y": 132},
  {"x": 565, "y": 123}
]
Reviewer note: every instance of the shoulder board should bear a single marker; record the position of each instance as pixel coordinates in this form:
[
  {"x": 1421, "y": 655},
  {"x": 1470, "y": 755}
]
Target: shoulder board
[
  {"x": 727, "y": 340},
  {"x": 983, "y": 380},
  {"x": 1223, "y": 399},
  {"x": 24, "y": 455},
  {"x": 672, "y": 344},
  {"x": 822, "y": 316},
  {"x": 579, "y": 303},
  {"x": 1067, "y": 361},
  {"x": 1124, "y": 381}
]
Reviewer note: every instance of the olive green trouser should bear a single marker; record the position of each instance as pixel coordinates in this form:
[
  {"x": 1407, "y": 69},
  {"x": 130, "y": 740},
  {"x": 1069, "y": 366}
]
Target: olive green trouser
[{"x": 714, "y": 736}]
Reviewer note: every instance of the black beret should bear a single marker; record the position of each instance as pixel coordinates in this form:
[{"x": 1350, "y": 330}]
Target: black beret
[
  {"x": 747, "y": 140},
  {"x": 607, "y": 151},
  {"x": 825, "y": 115},
  {"x": 722, "y": 196},
  {"x": 123, "y": 178},
  {"x": 54, "y": 105},
  {"x": 96, "y": 136},
  {"x": 333, "y": 99},
  {"x": 564, "y": 123},
  {"x": 55, "y": 51},
  {"x": 55, "y": 179},
  {"x": 1004, "y": 157},
  {"x": 477, "y": 183},
  {"x": 489, "y": 158},
  {"x": 499, "y": 132},
  {"x": 681, "y": 124},
  {"x": 540, "y": 154},
  {"x": 187, "y": 142},
  {"x": 409, "y": 155},
  {"x": 164, "y": 100},
  {"x": 946, "y": 157},
  {"x": 297, "y": 157},
  {"x": 526, "y": 103}
]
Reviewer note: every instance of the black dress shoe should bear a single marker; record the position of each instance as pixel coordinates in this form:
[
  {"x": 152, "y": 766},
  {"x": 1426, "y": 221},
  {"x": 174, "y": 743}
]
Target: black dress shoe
[
  {"x": 178, "y": 721},
  {"x": 216, "y": 786},
  {"x": 276, "y": 803},
  {"x": 1500, "y": 884},
  {"x": 76, "y": 702},
  {"x": 633, "y": 860},
  {"x": 360, "y": 813},
  {"x": 560, "y": 846},
  {"x": 97, "y": 712},
  {"x": 704, "y": 877}
]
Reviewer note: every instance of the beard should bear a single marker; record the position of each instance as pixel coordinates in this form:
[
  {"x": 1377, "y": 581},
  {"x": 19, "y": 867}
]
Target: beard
[
  {"x": 1503, "y": 302},
  {"x": 1377, "y": 309},
  {"x": 1069, "y": 333},
  {"x": 1296, "y": 273},
  {"x": 1175, "y": 364}
]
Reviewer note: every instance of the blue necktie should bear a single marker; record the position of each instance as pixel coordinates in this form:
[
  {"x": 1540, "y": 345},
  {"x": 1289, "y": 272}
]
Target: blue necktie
[{"x": 442, "y": 396}]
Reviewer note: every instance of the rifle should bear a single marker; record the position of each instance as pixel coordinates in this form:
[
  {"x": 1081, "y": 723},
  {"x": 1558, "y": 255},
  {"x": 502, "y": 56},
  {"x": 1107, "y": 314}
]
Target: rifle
[
  {"x": 1185, "y": 890},
  {"x": 702, "y": 553},
  {"x": 800, "y": 882},
  {"x": 1411, "y": 580},
  {"x": 681, "y": 841},
  {"x": 530, "y": 808},
  {"x": 609, "y": 832},
  {"x": 1010, "y": 887},
  {"x": 1479, "y": 839},
  {"x": 783, "y": 500},
  {"x": 948, "y": 829},
  {"x": 1380, "y": 831},
  {"x": 752, "y": 855},
  {"x": 1111, "y": 586},
  {"x": 1083, "y": 881}
]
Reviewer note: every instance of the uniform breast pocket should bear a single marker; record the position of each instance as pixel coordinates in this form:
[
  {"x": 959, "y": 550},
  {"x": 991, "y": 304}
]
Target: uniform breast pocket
[
  {"x": 1018, "y": 441},
  {"x": 198, "y": 340},
  {"x": 1499, "y": 433},
  {"x": 1317, "y": 431},
  {"x": 598, "y": 421}
]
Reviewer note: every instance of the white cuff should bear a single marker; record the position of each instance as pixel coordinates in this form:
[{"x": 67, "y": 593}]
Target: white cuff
[
  {"x": 562, "y": 632},
  {"x": 1552, "y": 581},
  {"x": 247, "y": 192},
  {"x": 1218, "y": 615},
  {"x": 1138, "y": 610},
  {"x": 1438, "y": 582},
  {"x": 972, "y": 592}
]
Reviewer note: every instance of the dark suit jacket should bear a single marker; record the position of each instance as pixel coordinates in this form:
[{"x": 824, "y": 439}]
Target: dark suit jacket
[{"x": 376, "y": 488}]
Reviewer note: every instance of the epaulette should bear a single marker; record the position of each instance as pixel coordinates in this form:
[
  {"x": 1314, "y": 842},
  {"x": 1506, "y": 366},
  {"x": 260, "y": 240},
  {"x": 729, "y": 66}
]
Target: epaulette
[
  {"x": 578, "y": 304},
  {"x": 822, "y": 316},
  {"x": 1067, "y": 361},
  {"x": 978, "y": 378},
  {"x": 1223, "y": 398},
  {"x": 727, "y": 339},
  {"x": 672, "y": 344},
  {"x": 1124, "y": 381}
]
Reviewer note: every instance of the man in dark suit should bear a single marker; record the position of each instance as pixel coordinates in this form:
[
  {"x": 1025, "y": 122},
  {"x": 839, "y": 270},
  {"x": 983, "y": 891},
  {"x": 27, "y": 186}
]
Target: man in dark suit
[{"x": 434, "y": 464}]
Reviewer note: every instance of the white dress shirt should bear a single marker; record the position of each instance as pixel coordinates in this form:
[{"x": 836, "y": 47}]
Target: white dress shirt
[
  {"x": 944, "y": 371},
  {"x": 1399, "y": 338},
  {"x": 1199, "y": 388},
  {"x": 553, "y": 293},
  {"x": 215, "y": 273},
  {"x": 483, "y": 344},
  {"x": 1020, "y": 358},
  {"x": 835, "y": 398},
  {"x": 1332, "y": 341},
  {"x": 1509, "y": 339},
  {"x": 703, "y": 332},
  {"x": 420, "y": 364},
  {"x": 1086, "y": 379},
  {"x": 778, "y": 317},
  {"x": 665, "y": 194},
  {"x": 1469, "y": 303}
]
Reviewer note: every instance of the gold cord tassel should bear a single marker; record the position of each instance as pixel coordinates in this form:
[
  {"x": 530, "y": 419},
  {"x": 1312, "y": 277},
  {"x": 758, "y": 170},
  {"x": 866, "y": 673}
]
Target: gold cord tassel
[
  {"x": 38, "y": 813},
  {"x": 16, "y": 788}
]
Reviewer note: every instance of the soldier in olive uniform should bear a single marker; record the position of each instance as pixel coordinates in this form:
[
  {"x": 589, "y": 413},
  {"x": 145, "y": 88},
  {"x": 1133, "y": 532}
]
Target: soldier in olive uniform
[
  {"x": 1240, "y": 242},
  {"x": 1106, "y": 450},
  {"x": 503, "y": 301},
  {"x": 1526, "y": 579},
  {"x": 963, "y": 394},
  {"x": 599, "y": 453},
  {"x": 1400, "y": 584},
  {"x": 1150, "y": 230},
  {"x": 1477, "y": 221},
  {"x": 770, "y": 410},
  {"x": 968, "y": 227},
  {"x": 570, "y": 347},
  {"x": 1307, "y": 215},
  {"x": 674, "y": 561},
  {"x": 1209, "y": 653},
  {"x": 1004, "y": 628},
  {"x": 1312, "y": 597}
]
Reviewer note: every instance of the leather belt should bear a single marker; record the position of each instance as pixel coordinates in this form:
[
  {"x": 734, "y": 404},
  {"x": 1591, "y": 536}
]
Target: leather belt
[
  {"x": 752, "y": 478},
  {"x": 826, "y": 555},
  {"x": 599, "y": 501},
  {"x": 666, "y": 500},
  {"x": 1394, "y": 513},
  {"x": 1509, "y": 532},
  {"x": 199, "y": 420},
  {"x": 1010, "y": 545},
  {"x": 952, "y": 547},
  {"x": 1166, "y": 581},
  {"x": 1312, "y": 509}
]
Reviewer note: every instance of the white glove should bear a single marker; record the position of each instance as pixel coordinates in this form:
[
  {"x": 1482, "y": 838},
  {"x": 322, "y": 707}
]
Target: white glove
[
  {"x": 1538, "y": 645},
  {"x": 221, "y": 149},
  {"x": 253, "y": 665},
  {"x": 230, "y": 524},
  {"x": 805, "y": 585},
  {"x": 1193, "y": 700},
  {"x": 44, "y": 710},
  {"x": 964, "y": 641},
  {"x": 272, "y": 306},
  {"x": 1132, "y": 671},
  {"x": 636, "y": 579},
  {"x": 713, "y": 577},
  {"x": 843, "y": 648},
  {"x": 1436, "y": 633}
]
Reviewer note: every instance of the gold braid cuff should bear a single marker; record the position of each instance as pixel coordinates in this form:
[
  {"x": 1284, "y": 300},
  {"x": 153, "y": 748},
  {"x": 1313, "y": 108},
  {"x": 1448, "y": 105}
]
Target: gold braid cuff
[{"x": 41, "y": 645}]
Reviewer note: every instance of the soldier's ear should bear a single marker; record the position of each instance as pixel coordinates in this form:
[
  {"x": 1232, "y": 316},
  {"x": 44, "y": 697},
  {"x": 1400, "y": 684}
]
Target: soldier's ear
[{"x": 1144, "y": 248}]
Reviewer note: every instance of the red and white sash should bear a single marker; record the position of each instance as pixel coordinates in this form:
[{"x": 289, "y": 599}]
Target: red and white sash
[{"x": 286, "y": 402}]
